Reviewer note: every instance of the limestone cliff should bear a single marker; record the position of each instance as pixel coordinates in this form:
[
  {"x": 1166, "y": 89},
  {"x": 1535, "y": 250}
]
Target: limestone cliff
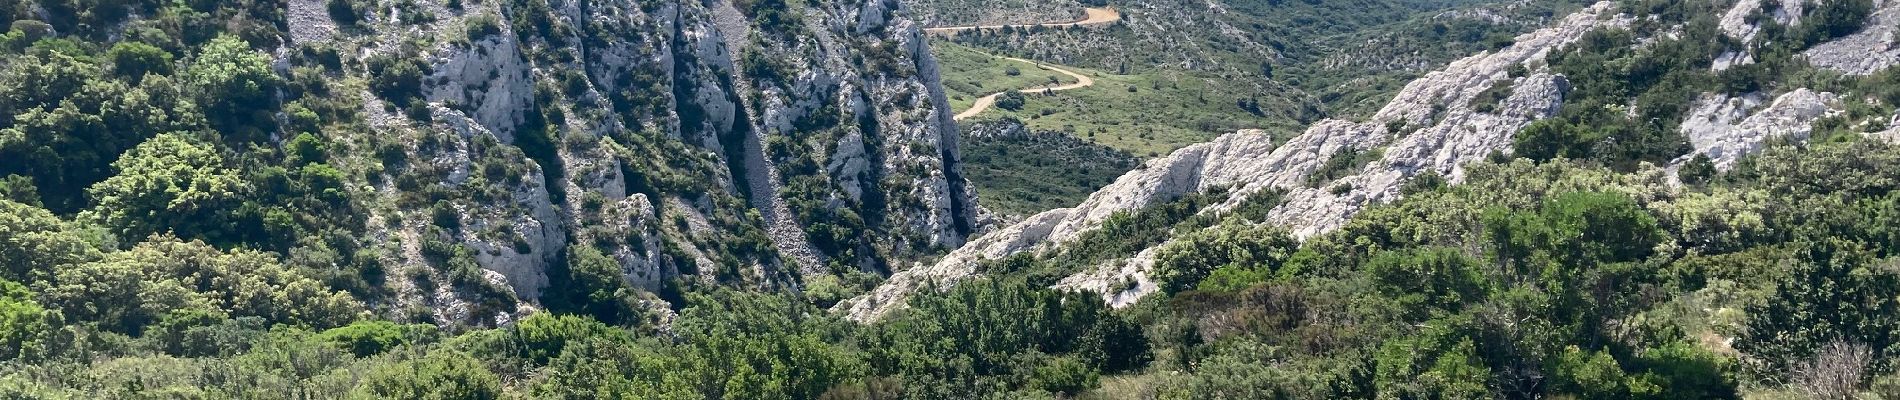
[{"x": 683, "y": 139}]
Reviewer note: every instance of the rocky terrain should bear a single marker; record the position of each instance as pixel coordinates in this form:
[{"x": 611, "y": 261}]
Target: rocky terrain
[
  {"x": 1442, "y": 140},
  {"x": 1411, "y": 136},
  {"x": 1867, "y": 51},
  {"x": 681, "y": 139},
  {"x": 1726, "y": 128}
]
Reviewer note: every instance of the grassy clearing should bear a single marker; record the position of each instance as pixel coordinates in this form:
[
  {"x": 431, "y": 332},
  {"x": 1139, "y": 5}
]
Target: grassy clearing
[
  {"x": 1147, "y": 114},
  {"x": 969, "y": 74}
]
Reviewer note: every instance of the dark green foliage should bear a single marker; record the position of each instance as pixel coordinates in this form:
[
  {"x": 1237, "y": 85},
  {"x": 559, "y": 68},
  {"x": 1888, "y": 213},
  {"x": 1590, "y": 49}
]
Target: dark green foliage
[
  {"x": 481, "y": 27},
  {"x": 1440, "y": 363},
  {"x": 133, "y": 60},
  {"x": 397, "y": 76},
  {"x": 19, "y": 189},
  {"x": 606, "y": 369},
  {"x": 344, "y": 12},
  {"x": 1610, "y": 74},
  {"x": 1030, "y": 172},
  {"x": 170, "y": 184},
  {"x": 1241, "y": 255},
  {"x": 778, "y": 17},
  {"x": 369, "y": 338},
  {"x": 1427, "y": 281},
  {"x": 1835, "y": 292},
  {"x": 1343, "y": 163},
  {"x": 66, "y": 124},
  {"x": 967, "y": 341},
  {"x": 440, "y": 375},
  {"x": 1697, "y": 171},
  {"x": 1832, "y": 19},
  {"x": 592, "y": 284},
  {"x": 235, "y": 87},
  {"x": 27, "y": 331},
  {"x": 1010, "y": 100}
]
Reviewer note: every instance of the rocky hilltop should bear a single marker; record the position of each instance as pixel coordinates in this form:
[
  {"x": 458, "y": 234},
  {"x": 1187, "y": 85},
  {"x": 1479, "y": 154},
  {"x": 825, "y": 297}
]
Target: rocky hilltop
[
  {"x": 752, "y": 143},
  {"x": 1462, "y": 113},
  {"x": 1441, "y": 138}
]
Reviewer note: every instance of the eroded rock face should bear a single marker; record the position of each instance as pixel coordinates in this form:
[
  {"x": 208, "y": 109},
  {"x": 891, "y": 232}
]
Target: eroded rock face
[
  {"x": 1872, "y": 49},
  {"x": 1449, "y": 132},
  {"x": 584, "y": 130},
  {"x": 1725, "y": 128},
  {"x": 1736, "y": 24}
]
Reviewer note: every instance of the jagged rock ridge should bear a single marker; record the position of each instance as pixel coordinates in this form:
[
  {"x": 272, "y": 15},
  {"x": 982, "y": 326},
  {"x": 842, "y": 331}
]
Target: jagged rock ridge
[{"x": 1447, "y": 137}]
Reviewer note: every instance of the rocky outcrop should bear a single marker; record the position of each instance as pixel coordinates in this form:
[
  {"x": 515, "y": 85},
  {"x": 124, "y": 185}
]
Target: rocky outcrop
[
  {"x": 488, "y": 80},
  {"x": 679, "y": 138},
  {"x": 1739, "y": 23},
  {"x": 1430, "y": 125},
  {"x": 1872, "y": 49},
  {"x": 1725, "y": 128},
  {"x": 1891, "y": 134}
]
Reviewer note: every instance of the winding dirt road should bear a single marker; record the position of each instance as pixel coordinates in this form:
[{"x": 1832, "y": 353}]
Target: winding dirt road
[
  {"x": 1095, "y": 16},
  {"x": 984, "y": 103}
]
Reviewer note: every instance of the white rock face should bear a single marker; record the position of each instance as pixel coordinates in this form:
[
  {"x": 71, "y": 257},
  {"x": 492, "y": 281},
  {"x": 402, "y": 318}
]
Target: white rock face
[
  {"x": 1453, "y": 132},
  {"x": 634, "y": 76},
  {"x": 1735, "y": 22},
  {"x": 1726, "y": 128},
  {"x": 1872, "y": 49},
  {"x": 489, "y": 78},
  {"x": 1712, "y": 116}
]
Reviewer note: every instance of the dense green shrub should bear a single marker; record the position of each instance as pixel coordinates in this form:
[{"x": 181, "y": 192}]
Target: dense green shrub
[
  {"x": 440, "y": 375},
  {"x": 1010, "y": 100}
]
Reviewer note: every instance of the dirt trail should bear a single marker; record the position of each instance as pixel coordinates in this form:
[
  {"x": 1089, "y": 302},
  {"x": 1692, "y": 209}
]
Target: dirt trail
[
  {"x": 984, "y": 103},
  {"x": 1095, "y": 16}
]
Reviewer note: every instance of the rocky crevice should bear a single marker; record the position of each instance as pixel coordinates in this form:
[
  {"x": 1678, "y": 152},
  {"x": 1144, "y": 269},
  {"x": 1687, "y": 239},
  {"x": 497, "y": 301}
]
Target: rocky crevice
[{"x": 632, "y": 127}]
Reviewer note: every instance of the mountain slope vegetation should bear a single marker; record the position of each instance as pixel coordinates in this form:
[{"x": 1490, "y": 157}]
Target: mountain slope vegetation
[{"x": 458, "y": 199}]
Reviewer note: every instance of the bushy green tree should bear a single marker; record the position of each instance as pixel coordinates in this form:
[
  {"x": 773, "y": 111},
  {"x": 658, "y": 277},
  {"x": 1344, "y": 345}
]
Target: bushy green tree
[
  {"x": 66, "y": 121},
  {"x": 1835, "y": 291},
  {"x": 1183, "y": 264},
  {"x": 133, "y": 60},
  {"x": 369, "y": 338},
  {"x": 1010, "y": 100},
  {"x": 33, "y": 242},
  {"x": 592, "y": 284},
  {"x": 168, "y": 184},
  {"x": 235, "y": 86},
  {"x": 27, "y": 331},
  {"x": 439, "y": 375},
  {"x": 1440, "y": 363},
  {"x": 604, "y": 369},
  {"x": 126, "y": 291},
  {"x": 1428, "y": 281}
]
